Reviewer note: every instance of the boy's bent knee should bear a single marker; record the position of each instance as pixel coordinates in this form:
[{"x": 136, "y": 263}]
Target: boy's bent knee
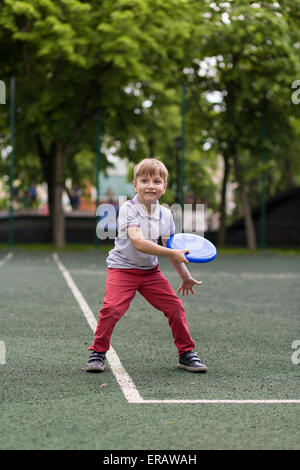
[
  {"x": 112, "y": 312},
  {"x": 175, "y": 308}
]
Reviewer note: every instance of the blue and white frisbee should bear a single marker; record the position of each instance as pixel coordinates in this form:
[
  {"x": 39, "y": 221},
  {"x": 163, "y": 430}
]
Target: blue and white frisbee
[{"x": 200, "y": 249}]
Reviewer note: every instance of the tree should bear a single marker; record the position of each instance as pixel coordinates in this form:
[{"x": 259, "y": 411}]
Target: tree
[
  {"x": 248, "y": 53},
  {"x": 129, "y": 58},
  {"x": 75, "y": 58}
]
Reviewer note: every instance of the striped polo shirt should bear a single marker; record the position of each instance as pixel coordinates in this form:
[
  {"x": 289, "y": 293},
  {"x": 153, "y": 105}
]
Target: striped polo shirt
[{"x": 153, "y": 226}]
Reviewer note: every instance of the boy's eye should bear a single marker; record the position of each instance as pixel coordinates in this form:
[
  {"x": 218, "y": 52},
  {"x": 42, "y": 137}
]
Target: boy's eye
[{"x": 145, "y": 180}]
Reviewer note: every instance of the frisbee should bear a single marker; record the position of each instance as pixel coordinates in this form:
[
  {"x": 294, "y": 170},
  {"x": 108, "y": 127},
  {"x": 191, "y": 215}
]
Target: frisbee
[{"x": 200, "y": 249}]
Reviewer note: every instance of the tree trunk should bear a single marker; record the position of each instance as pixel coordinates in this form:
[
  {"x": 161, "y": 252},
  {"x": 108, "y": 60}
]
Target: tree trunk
[
  {"x": 52, "y": 166},
  {"x": 57, "y": 213},
  {"x": 222, "y": 229},
  {"x": 151, "y": 147},
  {"x": 249, "y": 225},
  {"x": 70, "y": 196},
  {"x": 289, "y": 172},
  {"x": 232, "y": 117}
]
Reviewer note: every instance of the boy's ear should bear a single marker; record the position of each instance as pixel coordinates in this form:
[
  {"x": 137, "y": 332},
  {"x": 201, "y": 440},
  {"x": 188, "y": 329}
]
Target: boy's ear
[{"x": 134, "y": 185}]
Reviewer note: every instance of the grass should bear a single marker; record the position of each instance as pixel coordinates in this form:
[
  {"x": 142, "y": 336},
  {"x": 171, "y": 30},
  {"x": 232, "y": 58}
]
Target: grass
[
  {"x": 293, "y": 251},
  {"x": 22, "y": 247},
  {"x": 105, "y": 247}
]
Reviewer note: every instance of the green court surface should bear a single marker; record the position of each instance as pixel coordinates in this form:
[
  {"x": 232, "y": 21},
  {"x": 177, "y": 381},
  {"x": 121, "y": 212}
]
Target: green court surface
[{"x": 243, "y": 319}]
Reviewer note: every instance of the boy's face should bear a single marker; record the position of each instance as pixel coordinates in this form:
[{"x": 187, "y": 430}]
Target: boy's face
[{"x": 149, "y": 188}]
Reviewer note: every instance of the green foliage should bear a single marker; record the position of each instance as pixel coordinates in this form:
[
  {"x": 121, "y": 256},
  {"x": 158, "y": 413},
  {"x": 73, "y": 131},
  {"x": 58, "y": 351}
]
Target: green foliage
[
  {"x": 129, "y": 58},
  {"x": 76, "y": 58},
  {"x": 249, "y": 53}
]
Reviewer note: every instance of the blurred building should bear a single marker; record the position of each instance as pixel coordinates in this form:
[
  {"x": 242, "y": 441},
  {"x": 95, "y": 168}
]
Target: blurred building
[{"x": 115, "y": 184}]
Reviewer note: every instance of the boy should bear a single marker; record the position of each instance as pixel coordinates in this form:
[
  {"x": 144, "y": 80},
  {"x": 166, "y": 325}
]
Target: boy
[{"x": 133, "y": 266}]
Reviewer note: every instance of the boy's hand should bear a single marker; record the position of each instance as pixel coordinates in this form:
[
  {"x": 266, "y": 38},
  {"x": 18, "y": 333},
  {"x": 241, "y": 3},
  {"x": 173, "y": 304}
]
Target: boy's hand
[
  {"x": 187, "y": 285},
  {"x": 178, "y": 256}
]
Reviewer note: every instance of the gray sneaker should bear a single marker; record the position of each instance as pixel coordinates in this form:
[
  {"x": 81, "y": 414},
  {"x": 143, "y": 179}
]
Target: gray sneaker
[
  {"x": 190, "y": 361},
  {"x": 96, "y": 362}
]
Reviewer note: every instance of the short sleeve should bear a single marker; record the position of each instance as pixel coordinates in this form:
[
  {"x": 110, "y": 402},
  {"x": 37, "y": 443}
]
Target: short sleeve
[
  {"x": 172, "y": 225},
  {"x": 127, "y": 217}
]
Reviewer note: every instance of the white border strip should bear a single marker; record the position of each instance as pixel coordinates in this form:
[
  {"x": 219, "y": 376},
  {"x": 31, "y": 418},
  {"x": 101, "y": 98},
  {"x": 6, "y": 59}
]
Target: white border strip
[
  {"x": 6, "y": 258},
  {"x": 221, "y": 401},
  {"x": 125, "y": 382}
]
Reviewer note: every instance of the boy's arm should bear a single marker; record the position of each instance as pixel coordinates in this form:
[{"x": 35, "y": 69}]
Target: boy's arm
[
  {"x": 187, "y": 280},
  {"x": 151, "y": 248},
  {"x": 180, "y": 267}
]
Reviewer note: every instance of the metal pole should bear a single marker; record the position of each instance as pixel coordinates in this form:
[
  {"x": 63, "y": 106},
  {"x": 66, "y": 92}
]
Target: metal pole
[
  {"x": 11, "y": 172},
  {"x": 98, "y": 167},
  {"x": 263, "y": 180},
  {"x": 181, "y": 166}
]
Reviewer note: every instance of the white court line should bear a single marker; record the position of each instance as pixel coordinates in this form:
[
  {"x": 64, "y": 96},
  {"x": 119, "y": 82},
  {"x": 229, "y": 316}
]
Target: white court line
[
  {"x": 127, "y": 386},
  {"x": 125, "y": 382},
  {"x": 221, "y": 401},
  {"x": 6, "y": 258}
]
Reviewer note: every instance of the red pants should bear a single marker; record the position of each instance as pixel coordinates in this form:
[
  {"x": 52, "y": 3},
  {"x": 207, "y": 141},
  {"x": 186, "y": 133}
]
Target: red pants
[{"x": 121, "y": 286}]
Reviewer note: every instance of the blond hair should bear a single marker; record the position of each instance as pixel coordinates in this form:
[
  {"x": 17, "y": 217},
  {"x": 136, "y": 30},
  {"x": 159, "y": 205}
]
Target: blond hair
[{"x": 151, "y": 167}]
